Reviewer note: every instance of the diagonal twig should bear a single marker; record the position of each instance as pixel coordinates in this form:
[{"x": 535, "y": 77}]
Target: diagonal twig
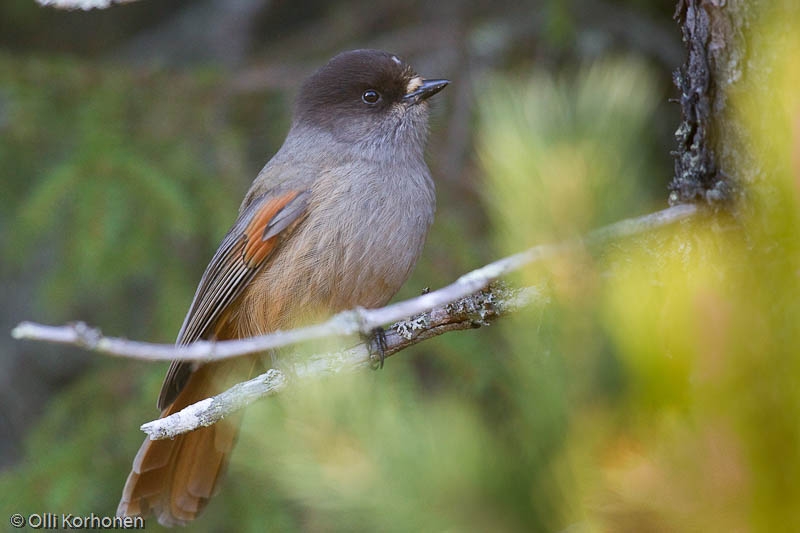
[{"x": 474, "y": 311}]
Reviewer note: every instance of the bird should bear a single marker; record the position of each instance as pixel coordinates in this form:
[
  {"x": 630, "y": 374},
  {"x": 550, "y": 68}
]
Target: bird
[{"x": 336, "y": 219}]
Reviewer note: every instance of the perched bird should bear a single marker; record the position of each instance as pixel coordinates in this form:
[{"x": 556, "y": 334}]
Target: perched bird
[{"x": 336, "y": 219}]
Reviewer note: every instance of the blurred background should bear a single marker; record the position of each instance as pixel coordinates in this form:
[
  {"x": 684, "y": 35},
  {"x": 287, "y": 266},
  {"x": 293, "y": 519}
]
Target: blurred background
[{"x": 657, "y": 390}]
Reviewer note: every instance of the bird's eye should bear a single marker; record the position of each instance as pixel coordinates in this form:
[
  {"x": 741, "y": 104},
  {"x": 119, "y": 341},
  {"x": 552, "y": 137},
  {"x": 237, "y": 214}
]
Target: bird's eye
[{"x": 370, "y": 96}]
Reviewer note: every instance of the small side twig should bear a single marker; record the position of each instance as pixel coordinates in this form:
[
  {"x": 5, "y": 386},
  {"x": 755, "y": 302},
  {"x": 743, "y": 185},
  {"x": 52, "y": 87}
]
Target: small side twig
[{"x": 85, "y": 5}]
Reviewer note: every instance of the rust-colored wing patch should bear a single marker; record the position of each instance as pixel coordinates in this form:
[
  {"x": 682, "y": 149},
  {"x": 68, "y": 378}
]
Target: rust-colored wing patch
[{"x": 263, "y": 233}]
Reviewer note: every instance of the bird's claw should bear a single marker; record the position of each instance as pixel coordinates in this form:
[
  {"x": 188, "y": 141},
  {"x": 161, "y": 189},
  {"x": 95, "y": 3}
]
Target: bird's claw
[{"x": 377, "y": 346}]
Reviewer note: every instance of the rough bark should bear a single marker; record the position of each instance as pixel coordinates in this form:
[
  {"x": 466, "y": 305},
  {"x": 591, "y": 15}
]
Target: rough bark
[{"x": 727, "y": 65}]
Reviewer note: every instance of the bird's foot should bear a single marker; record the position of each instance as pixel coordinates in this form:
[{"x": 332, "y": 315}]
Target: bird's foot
[{"x": 376, "y": 344}]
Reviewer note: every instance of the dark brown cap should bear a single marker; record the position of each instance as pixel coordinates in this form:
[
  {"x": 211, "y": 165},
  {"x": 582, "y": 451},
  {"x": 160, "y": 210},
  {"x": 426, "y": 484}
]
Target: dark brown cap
[{"x": 361, "y": 86}]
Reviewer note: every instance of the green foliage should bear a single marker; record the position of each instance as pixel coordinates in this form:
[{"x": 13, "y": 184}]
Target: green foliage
[
  {"x": 116, "y": 189},
  {"x": 110, "y": 181},
  {"x": 571, "y": 144},
  {"x": 74, "y": 455},
  {"x": 678, "y": 374}
]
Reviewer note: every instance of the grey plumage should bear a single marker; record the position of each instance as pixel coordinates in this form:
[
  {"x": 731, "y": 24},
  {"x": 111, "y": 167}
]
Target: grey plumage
[{"x": 336, "y": 219}]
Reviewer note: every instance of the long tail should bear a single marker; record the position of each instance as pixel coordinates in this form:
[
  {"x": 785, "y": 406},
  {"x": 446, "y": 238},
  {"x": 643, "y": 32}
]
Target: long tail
[{"x": 175, "y": 478}]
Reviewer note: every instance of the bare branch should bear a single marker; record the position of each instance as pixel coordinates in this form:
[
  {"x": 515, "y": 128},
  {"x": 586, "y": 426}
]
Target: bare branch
[
  {"x": 474, "y": 311},
  {"x": 211, "y": 410},
  {"x": 85, "y": 5},
  {"x": 348, "y": 322},
  {"x": 464, "y": 304}
]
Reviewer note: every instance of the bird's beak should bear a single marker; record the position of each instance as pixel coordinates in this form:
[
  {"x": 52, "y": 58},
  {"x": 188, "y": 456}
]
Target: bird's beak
[{"x": 423, "y": 89}]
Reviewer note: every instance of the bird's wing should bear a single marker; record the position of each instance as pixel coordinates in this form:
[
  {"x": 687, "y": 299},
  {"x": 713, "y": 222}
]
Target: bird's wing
[{"x": 258, "y": 231}]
